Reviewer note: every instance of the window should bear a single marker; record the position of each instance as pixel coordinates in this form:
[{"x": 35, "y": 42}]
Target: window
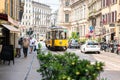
[
  {"x": 26, "y": 17},
  {"x": 62, "y": 35},
  {"x": 66, "y": 17},
  {"x": 112, "y": 16},
  {"x": 67, "y": 3}
]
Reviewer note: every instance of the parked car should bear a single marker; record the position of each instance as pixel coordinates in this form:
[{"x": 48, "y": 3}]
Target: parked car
[
  {"x": 90, "y": 46},
  {"x": 74, "y": 43}
]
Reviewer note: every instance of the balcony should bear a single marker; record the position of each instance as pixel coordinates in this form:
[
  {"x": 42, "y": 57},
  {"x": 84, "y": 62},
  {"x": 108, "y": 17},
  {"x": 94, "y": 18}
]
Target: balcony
[
  {"x": 92, "y": 13},
  {"x": 67, "y": 9},
  {"x": 118, "y": 18},
  {"x": 74, "y": 1}
]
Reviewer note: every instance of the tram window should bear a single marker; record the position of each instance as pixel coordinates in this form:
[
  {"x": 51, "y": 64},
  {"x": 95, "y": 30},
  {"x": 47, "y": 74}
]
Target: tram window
[
  {"x": 65, "y": 35},
  {"x": 48, "y": 35},
  {"x": 57, "y": 35},
  {"x": 62, "y": 35},
  {"x": 54, "y": 35}
]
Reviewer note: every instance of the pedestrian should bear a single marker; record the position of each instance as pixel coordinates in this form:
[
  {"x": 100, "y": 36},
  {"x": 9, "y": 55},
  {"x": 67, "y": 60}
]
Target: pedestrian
[
  {"x": 18, "y": 49},
  {"x": 36, "y": 45},
  {"x": 32, "y": 42},
  {"x": 25, "y": 46}
]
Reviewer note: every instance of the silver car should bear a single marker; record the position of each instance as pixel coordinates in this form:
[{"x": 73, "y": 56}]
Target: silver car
[{"x": 74, "y": 44}]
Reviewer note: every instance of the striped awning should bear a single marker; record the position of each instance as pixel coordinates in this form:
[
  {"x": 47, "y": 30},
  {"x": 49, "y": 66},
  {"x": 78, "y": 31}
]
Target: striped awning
[{"x": 11, "y": 28}]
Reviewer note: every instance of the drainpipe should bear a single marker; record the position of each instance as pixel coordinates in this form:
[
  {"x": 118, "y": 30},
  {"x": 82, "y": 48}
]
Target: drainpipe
[{"x": 14, "y": 40}]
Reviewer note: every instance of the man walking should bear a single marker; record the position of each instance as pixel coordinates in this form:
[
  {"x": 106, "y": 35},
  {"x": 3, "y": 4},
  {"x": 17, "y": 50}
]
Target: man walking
[
  {"x": 20, "y": 43},
  {"x": 25, "y": 46}
]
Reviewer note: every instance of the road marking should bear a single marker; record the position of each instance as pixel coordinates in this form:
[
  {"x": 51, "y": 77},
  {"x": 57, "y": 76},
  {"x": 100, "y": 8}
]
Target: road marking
[{"x": 109, "y": 62}]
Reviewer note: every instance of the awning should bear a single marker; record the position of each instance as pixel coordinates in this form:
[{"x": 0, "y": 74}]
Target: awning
[
  {"x": 107, "y": 34},
  {"x": 11, "y": 28}
]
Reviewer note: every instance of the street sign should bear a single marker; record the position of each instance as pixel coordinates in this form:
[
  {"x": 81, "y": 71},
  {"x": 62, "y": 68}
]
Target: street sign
[{"x": 91, "y": 29}]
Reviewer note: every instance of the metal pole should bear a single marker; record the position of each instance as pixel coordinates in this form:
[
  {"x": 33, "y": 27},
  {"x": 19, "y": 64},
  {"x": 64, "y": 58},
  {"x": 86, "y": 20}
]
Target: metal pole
[{"x": 14, "y": 40}]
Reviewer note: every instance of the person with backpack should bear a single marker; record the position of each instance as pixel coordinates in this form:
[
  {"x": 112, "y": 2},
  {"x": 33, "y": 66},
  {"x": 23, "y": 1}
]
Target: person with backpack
[
  {"x": 25, "y": 46},
  {"x": 18, "y": 50}
]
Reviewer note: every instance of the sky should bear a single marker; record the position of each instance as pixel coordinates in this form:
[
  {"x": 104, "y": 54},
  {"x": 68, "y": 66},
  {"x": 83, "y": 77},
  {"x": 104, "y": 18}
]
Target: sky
[{"x": 54, "y": 4}]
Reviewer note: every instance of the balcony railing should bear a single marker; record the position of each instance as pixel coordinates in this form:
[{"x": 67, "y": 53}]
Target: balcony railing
[{"x": 67, "y": 9}]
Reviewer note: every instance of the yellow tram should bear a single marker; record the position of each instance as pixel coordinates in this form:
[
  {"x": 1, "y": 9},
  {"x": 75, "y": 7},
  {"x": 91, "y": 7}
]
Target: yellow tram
[{"x": 56, "y": 38}]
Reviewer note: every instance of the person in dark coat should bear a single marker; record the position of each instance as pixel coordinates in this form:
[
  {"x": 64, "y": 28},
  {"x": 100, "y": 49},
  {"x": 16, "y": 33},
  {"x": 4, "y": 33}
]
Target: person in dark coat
[{"x": 25, "y": 46}]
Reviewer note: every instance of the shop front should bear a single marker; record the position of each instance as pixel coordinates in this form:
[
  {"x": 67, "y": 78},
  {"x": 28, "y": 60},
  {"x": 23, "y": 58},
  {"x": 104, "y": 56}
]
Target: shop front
[{"x": 8, "y": 34}]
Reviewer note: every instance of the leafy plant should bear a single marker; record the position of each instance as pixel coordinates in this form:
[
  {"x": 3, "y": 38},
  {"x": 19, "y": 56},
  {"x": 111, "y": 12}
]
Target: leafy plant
[
  {"x": 67, "y": 66},
  {"x": 39, "y": 48}
]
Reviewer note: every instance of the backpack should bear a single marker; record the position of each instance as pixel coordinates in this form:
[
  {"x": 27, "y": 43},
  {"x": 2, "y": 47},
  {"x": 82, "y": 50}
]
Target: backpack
[{"x": 20, "y": 41}]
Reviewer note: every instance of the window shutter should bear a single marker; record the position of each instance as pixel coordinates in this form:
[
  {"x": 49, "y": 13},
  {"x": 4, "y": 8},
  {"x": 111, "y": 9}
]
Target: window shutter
[
  {"x": 112, "y": 16},
  {"x": 115, "y": 16}
]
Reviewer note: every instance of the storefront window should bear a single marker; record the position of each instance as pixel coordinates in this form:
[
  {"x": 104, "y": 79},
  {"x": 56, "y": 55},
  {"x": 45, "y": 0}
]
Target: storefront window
[{"x": 0, "y": 31}]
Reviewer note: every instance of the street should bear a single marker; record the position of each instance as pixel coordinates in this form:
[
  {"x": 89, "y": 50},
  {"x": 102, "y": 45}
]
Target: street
[
  {"x": 26, "y": 68},
  {"x": 111, "y": 60}
]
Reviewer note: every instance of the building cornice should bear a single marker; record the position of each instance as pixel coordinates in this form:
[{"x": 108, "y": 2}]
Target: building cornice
[
  {"x": 76, "y": 3},
  {"x": 33, "y": 2},
  {"x": 90, "y": 4}
]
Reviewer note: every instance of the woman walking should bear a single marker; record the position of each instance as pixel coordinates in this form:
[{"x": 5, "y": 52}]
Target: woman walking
[{"x": 25, "y": 46}]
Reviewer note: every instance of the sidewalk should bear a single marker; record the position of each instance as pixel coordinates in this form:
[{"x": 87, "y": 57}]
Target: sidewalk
[{"x": 23, "y": 69}]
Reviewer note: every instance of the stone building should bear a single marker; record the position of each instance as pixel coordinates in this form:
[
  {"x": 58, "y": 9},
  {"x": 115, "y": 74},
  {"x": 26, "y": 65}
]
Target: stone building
[
  {"x": 9, "y": 22},
  {"x": 79, "y": 16},
  {"x": 36, "y": 17},
  {"x": 64, "y": 15},
  {"x": 110, "y": 9},
  {"x": 74, "y": 16},
  {"x": 41, "y": 19},
  {"x": 94, "y": 18}
]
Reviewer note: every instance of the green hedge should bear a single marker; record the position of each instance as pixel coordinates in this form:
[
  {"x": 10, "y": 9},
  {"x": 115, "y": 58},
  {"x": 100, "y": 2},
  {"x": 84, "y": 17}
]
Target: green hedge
[{"x": 67, "y": 66}]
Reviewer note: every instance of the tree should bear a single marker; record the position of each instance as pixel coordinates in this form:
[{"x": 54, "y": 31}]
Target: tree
[{"x": 74, "y": 35}]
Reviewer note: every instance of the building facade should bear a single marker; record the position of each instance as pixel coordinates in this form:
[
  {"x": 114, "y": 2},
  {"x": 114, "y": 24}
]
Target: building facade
[
  {"x": 27, "y": 19},
  {"x": 41, "y": 19},
  {"x": 8, "y": 22},
  {"x": 54, "y": 18},
  {"x": 118, "y": 22},
  {"x": 110, "y": 9},
  {"x": 64, "y": 14},
  {"x": 36, "y": 17},
  {"x": 79, "y": 15},
  {"x": 74, "y": 16},
  {"x": 94, "y": 18}
]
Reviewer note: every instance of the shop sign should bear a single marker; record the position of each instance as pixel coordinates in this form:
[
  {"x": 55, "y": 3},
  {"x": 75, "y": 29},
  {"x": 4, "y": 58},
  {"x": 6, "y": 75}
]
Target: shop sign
[{"x": 3, "y": 17}]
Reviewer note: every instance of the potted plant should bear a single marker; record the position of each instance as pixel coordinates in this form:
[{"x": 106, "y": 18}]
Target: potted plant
[{"x": 67, "y": 66}]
